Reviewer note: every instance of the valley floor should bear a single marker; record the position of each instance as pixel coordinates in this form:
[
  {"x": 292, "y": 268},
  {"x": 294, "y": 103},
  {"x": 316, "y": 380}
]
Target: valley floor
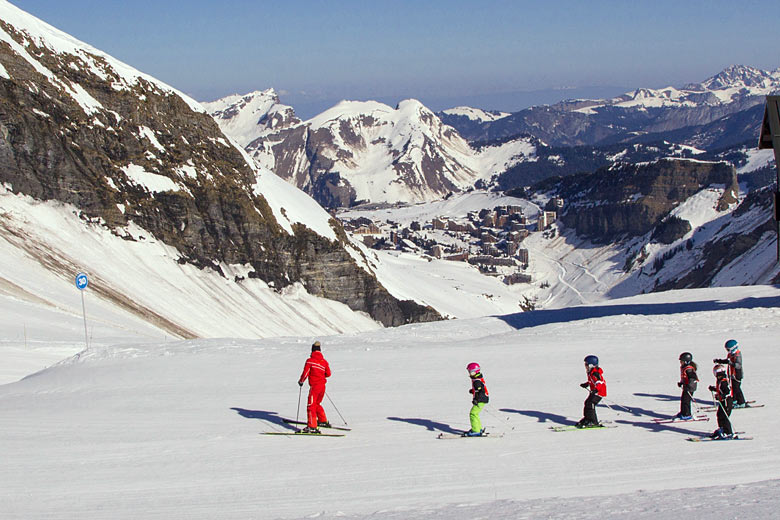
[{"x": 173, "y": 429}]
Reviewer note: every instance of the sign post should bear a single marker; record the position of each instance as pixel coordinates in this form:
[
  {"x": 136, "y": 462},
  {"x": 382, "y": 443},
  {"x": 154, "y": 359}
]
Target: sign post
[{"x": 81, "y": 284}]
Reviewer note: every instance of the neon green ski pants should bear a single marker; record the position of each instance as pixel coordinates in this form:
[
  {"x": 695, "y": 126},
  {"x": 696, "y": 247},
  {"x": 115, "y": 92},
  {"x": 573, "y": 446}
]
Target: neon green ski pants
[{"x": 476, "y": 424}]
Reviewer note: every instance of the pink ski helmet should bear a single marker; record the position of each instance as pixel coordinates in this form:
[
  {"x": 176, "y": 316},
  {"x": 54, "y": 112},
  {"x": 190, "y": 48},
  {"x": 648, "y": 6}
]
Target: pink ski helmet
[{"x": 473, "y": 368}]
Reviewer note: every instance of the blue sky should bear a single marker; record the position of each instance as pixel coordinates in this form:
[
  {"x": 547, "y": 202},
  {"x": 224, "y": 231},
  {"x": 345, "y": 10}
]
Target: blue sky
[{"x": 492, "y": 54}]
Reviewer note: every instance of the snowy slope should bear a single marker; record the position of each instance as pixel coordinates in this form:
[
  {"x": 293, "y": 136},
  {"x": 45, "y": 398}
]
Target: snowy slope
[
  {"x": 476, "y": 114},
  {"x": 171, "y": 430},
  {"x": 50, "y": 244}
]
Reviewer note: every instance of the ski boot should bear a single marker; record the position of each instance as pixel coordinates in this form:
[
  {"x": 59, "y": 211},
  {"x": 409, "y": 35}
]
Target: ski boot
[
  {"x": 307, "y": 429},
  {"x": 474, "y": 434},
  {"x": 586, "y": 423},
  {"x": 718, "y": 434},
  {"x": 324, "y": 424}
]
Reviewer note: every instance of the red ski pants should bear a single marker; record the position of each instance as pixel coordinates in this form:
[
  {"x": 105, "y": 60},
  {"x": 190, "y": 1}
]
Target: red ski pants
[{"x": 314, "y": 407}]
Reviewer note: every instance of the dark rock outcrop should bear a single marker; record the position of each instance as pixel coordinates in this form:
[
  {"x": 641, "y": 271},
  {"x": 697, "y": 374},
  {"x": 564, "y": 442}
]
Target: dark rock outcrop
[{"x": 630, "y": 200}]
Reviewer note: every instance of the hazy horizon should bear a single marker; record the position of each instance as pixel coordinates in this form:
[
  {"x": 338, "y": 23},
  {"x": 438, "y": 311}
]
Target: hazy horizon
[{"x": 498, "y": 55}]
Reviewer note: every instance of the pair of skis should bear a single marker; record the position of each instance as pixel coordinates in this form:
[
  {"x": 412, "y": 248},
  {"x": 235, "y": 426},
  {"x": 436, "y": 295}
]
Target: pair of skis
[
  {"x": 302, "y": 433},
  {"x": 748, "y": 404},
  {"x": 571, "y": 427},
  {"x": 738, "y": 436},
  {"x": 464, "y": 436},
  {"x": 697, "y": 417}
]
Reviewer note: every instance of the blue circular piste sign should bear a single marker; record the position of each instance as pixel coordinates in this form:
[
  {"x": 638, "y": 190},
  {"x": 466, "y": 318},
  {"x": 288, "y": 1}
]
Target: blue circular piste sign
[{"x": 82, "y": 281}]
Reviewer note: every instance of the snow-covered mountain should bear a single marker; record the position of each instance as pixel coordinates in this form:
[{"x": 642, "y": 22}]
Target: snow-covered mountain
[
  {"x": 247, "y": 117},
  {"x": 731, "y": 85},
  {"x": 116, "y": 156},
  {"x": 364, "y": 151},
  {"x": 637, "y": 113}
]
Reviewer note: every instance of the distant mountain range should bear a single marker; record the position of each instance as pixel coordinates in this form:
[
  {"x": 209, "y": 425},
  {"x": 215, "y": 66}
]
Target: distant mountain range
[
  {"x": 701, "y": 114},
  {"x": 370, "y": 152}
]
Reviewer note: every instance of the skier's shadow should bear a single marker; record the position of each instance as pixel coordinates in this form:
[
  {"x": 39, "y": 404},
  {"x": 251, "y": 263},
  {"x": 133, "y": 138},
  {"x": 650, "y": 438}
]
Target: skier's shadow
[
  {"x": 542, "y": 416},
  {"x": 666, "y": 397},
  {"x": 271, "y": 417},
  {"x": 432, "y": 426},
  {"x": 658, "y": 428}
]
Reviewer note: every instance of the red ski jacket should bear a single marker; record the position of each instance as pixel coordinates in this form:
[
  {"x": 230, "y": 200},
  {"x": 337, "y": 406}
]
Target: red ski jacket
[
  {"x": 688, "y": 377},
  {"x": 316, "y": 370},
  {"x": 596, "y": 381}
]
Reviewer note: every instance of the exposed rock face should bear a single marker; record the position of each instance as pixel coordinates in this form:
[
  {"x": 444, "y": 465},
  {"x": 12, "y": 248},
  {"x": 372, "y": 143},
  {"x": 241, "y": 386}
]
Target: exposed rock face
[
  {"x": 670, "y": 230},
  {"x": 733, "y": 241},
  {"x": 76, "y": 127},
  {"x": 630, "y": 200}
]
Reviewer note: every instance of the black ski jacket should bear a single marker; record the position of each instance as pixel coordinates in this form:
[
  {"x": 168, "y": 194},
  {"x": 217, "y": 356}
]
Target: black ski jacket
[{"x": 478, "y": 389}]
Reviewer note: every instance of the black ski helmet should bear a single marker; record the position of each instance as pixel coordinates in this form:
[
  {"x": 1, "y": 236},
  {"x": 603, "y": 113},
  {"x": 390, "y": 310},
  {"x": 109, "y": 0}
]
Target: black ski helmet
[
  {"x": 686, "y": 358},
  {"x": 592, "y": 360}
]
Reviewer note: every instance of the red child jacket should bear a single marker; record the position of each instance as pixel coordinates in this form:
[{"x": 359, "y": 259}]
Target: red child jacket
[
  {"x": 596, "y": 381},
  {"x": 316, "y": 370}
]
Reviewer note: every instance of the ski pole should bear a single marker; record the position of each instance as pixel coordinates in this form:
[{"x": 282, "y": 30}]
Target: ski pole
[
  {"x": 720, "y": 405},
  {"x": 695, "y": 404},
  {"x": 335, "y": 408},
  {"x": 629, "y": 410},
  {"x": 488, "y": 409},
  {"x": 298, "y": 411}
]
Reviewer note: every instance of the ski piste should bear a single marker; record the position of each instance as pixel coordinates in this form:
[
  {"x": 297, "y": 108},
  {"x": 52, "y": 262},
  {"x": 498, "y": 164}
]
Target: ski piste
[
  {"x": 571, "y": 427},
  {"x": 464, "y": 436},
  {"x": 698, "y": 417},
  {"x": 292, "y": 421},
  {"x": 300, "y": 433}
]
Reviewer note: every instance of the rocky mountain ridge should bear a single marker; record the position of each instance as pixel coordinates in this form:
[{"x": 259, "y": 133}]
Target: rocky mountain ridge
[
  {"x": 370, "y": 152},
  {"x": 82, "y": 128}
]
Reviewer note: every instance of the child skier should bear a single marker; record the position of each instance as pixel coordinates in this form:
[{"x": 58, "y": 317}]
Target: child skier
[
  {"x": 598, "y": 389},
  {"x": 316, "y": 370},
  {"x": 480, "y": 398},
  {"x": 734, "y": 362},
  {"x": 688, "y": 380},
  {"x": 724, "y": 402}
]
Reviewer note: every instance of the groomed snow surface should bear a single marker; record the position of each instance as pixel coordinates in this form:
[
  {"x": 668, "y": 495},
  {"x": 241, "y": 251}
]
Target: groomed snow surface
[{"x": 173, "y": 429}]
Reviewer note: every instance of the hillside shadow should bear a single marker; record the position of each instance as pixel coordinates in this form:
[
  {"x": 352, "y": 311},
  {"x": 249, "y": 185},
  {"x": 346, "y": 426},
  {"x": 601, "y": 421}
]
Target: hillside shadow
[
  {"x": 536, "y": 318},
  {"x": 542, "y": 417},
  {"x": 271, "y": 417},
  {"x": 432, "y": 426}
]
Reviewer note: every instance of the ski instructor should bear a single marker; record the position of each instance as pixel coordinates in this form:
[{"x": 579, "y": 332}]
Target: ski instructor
[{"x": 316, "y": 370}]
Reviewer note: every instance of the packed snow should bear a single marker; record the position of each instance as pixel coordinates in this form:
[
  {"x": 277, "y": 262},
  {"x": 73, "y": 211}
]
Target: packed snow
[{"x": 174, "y": 429}]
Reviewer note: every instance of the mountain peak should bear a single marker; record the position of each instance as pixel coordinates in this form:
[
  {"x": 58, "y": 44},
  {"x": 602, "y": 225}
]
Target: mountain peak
[{"x": 737, "y": 76}]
